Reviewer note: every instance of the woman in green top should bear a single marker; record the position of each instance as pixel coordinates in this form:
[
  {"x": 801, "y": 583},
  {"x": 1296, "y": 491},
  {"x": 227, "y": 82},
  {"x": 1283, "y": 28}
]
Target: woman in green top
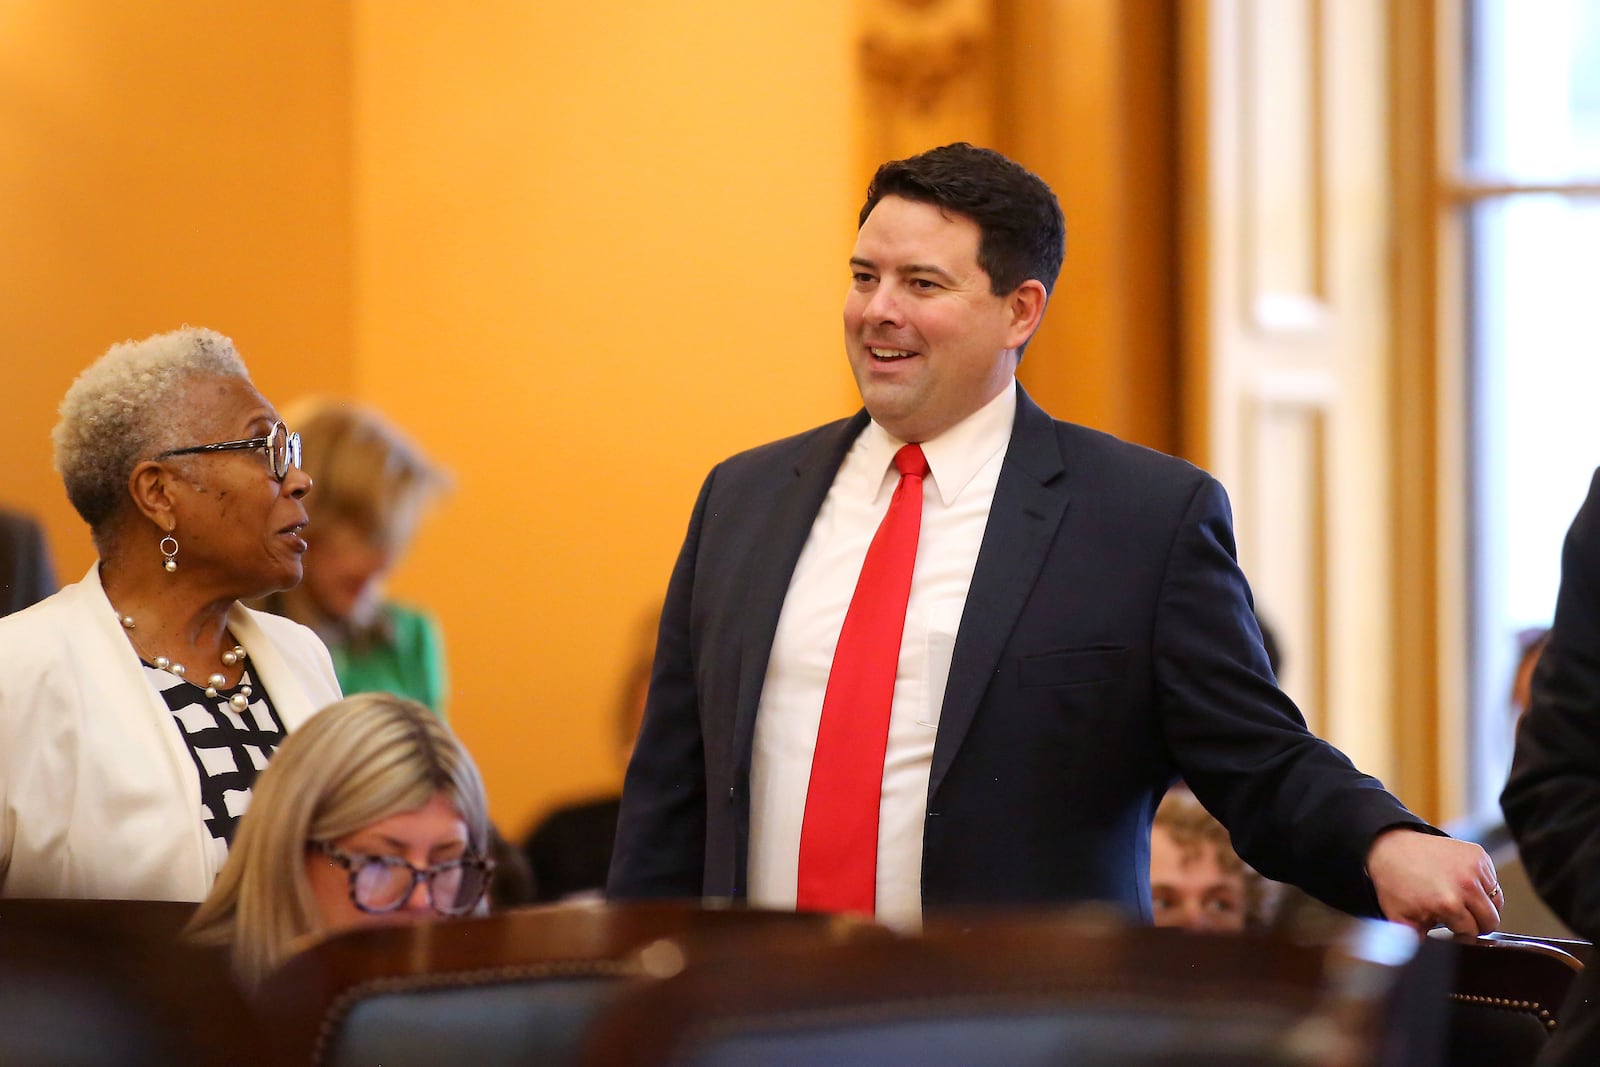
[{"x": 371, "y": 487}]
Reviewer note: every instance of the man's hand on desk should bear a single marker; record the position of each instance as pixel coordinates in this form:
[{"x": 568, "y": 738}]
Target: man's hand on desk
[{"x": 1424, "y": 881}]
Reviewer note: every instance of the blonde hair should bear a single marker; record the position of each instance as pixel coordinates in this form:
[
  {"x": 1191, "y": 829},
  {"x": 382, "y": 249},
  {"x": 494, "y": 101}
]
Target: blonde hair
[
  {"x": 1193, "y": 828},
  {"x": 125, "y": 407},
  {"x": 352, "y": 764},
  {"x": 366, "y": 471}
]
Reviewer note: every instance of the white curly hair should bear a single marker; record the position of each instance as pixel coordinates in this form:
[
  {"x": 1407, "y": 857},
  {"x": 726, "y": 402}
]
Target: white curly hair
[{"x": 122, "y": 410}]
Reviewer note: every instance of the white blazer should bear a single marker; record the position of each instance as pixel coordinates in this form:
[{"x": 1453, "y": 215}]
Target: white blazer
[{"x": 99, "y": 796}]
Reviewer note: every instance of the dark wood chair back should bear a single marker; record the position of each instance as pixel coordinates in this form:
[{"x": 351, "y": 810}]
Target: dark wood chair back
[
  {"x": 1507, "y": 995},
  {"x": 513, "y": 988},
  {"x": 1081, "y": 988},
  {"x": 103, "y": 983},
  {"x": 155, "y": 919}
]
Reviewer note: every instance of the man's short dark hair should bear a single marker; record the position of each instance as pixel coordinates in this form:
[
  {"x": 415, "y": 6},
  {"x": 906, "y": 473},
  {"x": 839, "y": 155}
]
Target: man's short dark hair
[{"x": 1023, "y": 232}]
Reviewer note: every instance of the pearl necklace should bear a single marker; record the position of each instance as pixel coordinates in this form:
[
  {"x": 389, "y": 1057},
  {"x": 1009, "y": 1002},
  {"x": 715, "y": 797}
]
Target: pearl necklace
[{"x": 238, "y": 701}]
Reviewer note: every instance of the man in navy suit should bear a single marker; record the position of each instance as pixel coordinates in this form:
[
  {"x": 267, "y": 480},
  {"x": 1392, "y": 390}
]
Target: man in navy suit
[{"x": 1077, "y": 633}]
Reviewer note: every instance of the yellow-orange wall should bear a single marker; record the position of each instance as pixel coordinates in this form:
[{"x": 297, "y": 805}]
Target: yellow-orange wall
[
  {"x": 162, "y": 163},
  {"x": 598, "y": 248}
]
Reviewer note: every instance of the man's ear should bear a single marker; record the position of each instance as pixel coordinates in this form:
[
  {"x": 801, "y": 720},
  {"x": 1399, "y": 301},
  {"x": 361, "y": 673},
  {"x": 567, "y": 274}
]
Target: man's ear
[
  {"x": 1026, "y": 304},
  {"x": 150, "y": 485}
]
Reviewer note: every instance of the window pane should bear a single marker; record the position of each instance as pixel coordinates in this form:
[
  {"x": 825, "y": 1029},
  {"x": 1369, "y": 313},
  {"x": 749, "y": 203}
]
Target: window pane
[
  {"x": 1535, "y": 89},
  {"x": 1535, "y": 429}
]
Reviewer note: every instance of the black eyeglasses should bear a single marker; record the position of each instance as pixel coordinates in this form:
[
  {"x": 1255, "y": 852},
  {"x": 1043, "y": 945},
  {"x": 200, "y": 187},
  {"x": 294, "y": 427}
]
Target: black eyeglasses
[
  {"x": 381, "y": 884},
  {"x": 281, "y": 446}
]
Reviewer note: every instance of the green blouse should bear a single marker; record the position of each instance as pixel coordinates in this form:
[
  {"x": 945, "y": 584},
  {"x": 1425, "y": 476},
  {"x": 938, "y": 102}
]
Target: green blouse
[{"x": 403, "y": 654}]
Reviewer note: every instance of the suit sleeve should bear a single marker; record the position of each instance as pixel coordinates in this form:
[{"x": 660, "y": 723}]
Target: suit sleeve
[
  {"x": 661, "y": 830},
  {"x": 1297, "y": 809},
  {"x": 1552, "y": 799}
]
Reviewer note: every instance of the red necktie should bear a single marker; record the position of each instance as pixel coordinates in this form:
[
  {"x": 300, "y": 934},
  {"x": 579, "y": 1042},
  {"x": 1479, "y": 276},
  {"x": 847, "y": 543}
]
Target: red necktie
[{"x": 839, "y": 835}]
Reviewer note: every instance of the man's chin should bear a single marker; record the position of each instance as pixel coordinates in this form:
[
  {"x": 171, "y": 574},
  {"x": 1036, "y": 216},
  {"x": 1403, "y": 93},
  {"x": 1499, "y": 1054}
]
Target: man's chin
[{"x": 888, "y": 402}]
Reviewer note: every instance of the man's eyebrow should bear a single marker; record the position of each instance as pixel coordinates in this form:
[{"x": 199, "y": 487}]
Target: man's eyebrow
[
  {"x": 928, "y": 268},
  {"x": 908, "y": 269}
]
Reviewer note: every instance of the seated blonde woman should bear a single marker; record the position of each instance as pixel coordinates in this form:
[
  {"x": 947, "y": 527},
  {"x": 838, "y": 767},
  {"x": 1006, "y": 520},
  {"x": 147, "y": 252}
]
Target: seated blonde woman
[{"x": 369, "y": 812}]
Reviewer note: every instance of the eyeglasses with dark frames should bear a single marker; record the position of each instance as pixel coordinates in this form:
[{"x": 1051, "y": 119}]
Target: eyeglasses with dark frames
[
  {"x": 381, "y": 884},
  {"x": 281, "y": 446}
]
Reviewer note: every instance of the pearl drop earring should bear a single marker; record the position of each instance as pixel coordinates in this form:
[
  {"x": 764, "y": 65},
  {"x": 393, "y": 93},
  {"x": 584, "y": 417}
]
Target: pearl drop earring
[{"x": 169, "y": 554}]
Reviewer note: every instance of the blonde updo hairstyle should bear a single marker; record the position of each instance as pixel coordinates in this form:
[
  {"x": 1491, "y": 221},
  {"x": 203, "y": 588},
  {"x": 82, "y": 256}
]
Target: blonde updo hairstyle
[
  {"x": 354, "y": 763},
  {"x": 127, "y": 407},
  {"x": 367, "y": 472}
]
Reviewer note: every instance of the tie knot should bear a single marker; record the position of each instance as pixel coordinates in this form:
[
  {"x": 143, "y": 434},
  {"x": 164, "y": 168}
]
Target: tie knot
[{"x": 910, "y": 462}]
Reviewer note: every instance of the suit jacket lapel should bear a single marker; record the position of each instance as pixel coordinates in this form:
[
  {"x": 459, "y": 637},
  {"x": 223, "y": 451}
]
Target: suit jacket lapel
[
  {"x": 779, "y": 538},
  {"x": 1029, "y": 502}
]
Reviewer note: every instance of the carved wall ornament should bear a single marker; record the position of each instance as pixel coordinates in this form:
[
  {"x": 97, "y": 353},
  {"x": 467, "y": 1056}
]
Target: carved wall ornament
[
  {"x": 916, "y": 51},
  {"x": 918, "y": 71}
]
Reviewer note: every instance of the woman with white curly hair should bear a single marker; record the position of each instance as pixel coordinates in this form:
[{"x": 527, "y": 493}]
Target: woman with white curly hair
[{"x": 138, "y": 705}]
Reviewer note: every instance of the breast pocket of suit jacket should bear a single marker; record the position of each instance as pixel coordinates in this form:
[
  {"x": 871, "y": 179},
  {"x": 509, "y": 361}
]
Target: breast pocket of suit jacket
[
  {"x": 1090, "y": 667},
  {"x": 1067, "y": 719}
]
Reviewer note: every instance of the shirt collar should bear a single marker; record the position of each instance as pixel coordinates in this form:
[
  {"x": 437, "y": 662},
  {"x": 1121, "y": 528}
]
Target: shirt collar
[{"x": 954, "y": 457}]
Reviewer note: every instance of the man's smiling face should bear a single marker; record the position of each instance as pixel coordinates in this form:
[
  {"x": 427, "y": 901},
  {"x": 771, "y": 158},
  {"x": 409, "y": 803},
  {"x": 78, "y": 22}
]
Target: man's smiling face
[{"x": 929, "y": 342}]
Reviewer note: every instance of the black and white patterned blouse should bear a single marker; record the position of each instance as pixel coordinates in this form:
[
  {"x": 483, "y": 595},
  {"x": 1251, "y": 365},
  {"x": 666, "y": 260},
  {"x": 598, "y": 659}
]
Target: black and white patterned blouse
[{"x": 229, "y": 747}]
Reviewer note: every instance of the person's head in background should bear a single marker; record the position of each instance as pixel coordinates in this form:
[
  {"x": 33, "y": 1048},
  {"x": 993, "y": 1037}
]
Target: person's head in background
[
  {"x": 1197, "y": 881},
  {"x": 369, "y": 812},
  {"x": 373, "y": 485},
  {"x": 1530, "y": 645}
]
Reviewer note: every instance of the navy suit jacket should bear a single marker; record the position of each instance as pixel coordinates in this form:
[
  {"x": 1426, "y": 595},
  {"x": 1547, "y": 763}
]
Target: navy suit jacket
[
  {"x": 1552, "y": 799},
  {"x": 1108, "y": 643}
]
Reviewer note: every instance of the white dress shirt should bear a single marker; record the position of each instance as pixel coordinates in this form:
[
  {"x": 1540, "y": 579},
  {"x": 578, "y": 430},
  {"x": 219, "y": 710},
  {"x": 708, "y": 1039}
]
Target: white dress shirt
[{"x": 964, "y": 467}]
